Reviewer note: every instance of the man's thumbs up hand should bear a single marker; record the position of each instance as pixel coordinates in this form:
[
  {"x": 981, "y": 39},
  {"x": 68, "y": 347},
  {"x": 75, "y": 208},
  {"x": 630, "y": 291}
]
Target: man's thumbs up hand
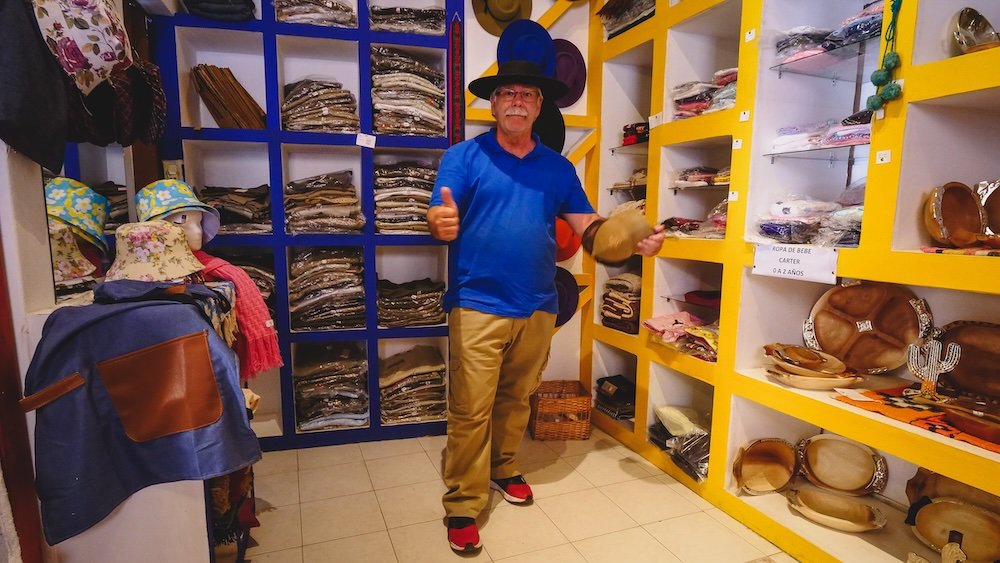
[{"x": 443, "y": 219}]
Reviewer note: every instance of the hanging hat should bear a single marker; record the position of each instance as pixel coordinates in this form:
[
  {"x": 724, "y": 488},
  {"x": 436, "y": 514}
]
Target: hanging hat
[
  {"x": 152, "y": 251},
  {"x": 164, "y": 197},
  {"x": 525, "y": 40},
  {"x": 517, "y": 72},
  {"x": 495, "y": 15},
  {"x": 68, "y": 263},
  {"x": 75, "y": 204},
  {"x": 550, "y": 126},
  {"x": 571, "y": 70},
  {"x": 567, "y": 242},
  {"x": 569, "y": 295}
]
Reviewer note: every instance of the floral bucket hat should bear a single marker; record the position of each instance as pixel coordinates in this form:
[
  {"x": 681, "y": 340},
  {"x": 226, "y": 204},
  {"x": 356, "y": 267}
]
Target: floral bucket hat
[
  {"x": 68, "y": 263},
  {"x": 75, "y": 204},
  {"x": 164, "y": 197},
  {"x": 153, "y": 251}
]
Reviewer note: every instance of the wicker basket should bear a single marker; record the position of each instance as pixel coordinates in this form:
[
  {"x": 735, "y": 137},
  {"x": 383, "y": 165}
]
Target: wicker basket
[{"x": 560, "y": 410}]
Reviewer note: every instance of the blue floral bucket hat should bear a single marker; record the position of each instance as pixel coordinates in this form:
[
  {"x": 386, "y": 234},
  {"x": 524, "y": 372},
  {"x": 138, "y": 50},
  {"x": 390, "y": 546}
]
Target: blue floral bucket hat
[
  {"x": 164, "y": 197},
  {"x": 75, "y": 204}
]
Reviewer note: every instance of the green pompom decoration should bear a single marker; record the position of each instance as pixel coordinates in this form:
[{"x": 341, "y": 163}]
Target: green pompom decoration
[
  {"x": 890, "y": 92},
  {"x": 890, "y": 60},
  {"x": 881, "y": 77},
  {"x": 874, "y": 103}
]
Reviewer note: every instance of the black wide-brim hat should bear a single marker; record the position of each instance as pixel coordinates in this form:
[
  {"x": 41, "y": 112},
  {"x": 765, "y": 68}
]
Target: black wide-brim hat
[
  {"x": 569, "y": 295},
  {"x": 518, "y": 72}
]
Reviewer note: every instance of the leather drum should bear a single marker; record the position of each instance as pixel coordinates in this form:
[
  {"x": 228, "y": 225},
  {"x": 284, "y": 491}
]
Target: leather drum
[
  {"x": 978, "y": 369},
  {"x": 836, "y": 511},
  {"x": 980, "y": 528},
  {"x": 926, "y": 483},
  {"x": 953, "y": 215},
  {"x": 837, "y": 464},
  {"x": 765, "y": 466},
  {"x": 868, "y": 325}
]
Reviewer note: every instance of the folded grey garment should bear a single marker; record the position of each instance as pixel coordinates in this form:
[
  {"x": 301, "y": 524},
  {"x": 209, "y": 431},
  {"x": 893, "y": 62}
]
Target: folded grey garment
[
  {"x": 382, "y": 184},
  {"x": 326, "y": 274},
  {"x": 406, "y": 81},
  {"x": 332, "y": 314},
  {"x": 397, "y": 230},
  {"x": 418, "y": 194},
  {"x": 423, "y": 321},
  {"x": 627, "y": 282},
  {"x": 386, "y": 59},
  {"x": 419, "y": 225},
  {"x": 327, "y": 180},
  {"x": 426, "y": 403},
  {"x": 400, "y": 218},
  {"x": 329, "y": 101},
  {"x": 313, "y": 259},
  {"x": 324, "y": 297},
  {"x": 323, "y": 115},
  {"x": 319, "y": 212},
  {"x": 431, "y": 104},
  {"x": 409, "y": 304},
  {"x": 245, "y": 228},
  {"x": 408, "y": 388},
  {"x": 401, "y": 206},
  {"x": 430, "y": 116},
  {"x": 323, "y": 126},
  {"x": 308, "y": 90},
  {"x": 395, "y": 127},
  {"x": 324, "y": 391},
  {"x": 301, "y": 293},
  {"x": 327, "y": 225},
  {"x": 408, "y": 171},
  {"x": 337, "y": 421},
  {"x": 412, "y": 382},
  {"x": 346, "y": 372},
  {"x": 419, "y": 359},
  {"x": 334, "y": 195}
]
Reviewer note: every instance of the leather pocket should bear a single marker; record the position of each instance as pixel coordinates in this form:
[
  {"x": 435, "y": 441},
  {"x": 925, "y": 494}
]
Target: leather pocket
[{"x": 165, "y": 388}]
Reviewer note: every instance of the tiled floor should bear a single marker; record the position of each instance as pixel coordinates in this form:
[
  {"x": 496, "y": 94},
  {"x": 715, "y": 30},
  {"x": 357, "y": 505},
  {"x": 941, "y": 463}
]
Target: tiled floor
[{"x": 595, "y": 501}]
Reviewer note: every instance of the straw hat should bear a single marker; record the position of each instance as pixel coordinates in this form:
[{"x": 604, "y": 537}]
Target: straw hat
[
  {"x": 165, "y": 197},
  {"x": 68, "y": 263},
  {"x": 75, "y": 204},
  {"x": 152, "y": 251}
]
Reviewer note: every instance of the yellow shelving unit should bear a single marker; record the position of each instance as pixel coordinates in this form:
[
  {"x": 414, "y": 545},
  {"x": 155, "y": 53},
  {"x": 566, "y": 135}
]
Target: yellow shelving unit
[{"x": 941, "y": 129}]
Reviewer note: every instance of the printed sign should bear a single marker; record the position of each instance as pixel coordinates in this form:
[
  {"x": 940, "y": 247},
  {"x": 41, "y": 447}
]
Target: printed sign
[{"x": 796, "y": 262}]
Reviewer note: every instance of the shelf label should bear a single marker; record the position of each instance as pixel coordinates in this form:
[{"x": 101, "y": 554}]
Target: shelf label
[
  {"x": 737, "y": 144},
  {"x": 750, "y": 34},
  {"x": 745, "y": 115},
  {"x": 365, "y": 140},
  {"x": 883, "y": 157},
  {"x": 733, "y": 196},
  {"x": 655, "y": 120},
  {"x": 796, "y": 262}
]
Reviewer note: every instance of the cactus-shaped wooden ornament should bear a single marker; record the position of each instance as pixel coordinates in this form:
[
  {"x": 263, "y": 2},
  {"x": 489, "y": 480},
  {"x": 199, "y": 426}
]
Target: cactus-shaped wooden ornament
[{"x": 926, "y": 363}]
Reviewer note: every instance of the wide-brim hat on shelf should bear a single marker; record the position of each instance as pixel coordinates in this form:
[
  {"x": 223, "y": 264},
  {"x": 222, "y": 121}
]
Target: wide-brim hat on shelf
[
  {"x": 153, "y": 251},
  {"x": 73, "y": 203},
  {"x": 518, "y": 72},
  {"x": 550, "y": 126},
  {"x": 68, "y": 263},
  {"x": 567, "y": 241},
  {"x": 571, "y": 70},
  {"x": 525, "y": 40},
  {"x": 495, "y": 15},
  {"x": 165, "y": 197},
  {"x": 569, "y": 295}
]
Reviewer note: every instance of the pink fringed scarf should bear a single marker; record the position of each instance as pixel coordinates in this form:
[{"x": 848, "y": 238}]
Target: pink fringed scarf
[{"x": 257, "y": 341}]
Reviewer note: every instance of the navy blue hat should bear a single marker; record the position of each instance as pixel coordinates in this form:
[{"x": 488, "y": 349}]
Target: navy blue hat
[
  {"x": 569, "y": 295},
  {"x": 525, "y": 40}
]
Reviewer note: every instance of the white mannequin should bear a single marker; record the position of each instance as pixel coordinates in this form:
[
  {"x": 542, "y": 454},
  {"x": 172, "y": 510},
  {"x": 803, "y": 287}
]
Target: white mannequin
[{"x": 190, "y": 221}]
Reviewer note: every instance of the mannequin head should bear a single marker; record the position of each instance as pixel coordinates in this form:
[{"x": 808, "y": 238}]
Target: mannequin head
[{"x": 189, "y": 220}]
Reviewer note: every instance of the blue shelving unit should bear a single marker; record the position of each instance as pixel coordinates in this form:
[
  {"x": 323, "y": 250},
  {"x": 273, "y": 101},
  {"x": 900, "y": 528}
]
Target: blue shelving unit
[{"x": 164, "y": 40}]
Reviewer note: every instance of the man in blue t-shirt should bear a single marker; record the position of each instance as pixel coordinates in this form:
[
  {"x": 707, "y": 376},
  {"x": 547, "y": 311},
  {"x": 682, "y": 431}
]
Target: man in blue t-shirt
[{"x": 496, "y": 200}]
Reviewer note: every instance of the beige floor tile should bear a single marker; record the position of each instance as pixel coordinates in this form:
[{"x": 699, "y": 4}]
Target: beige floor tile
[
  {"x": 276, "y": 462},
  {"x": 389, "y": 448},
  {"x": 782, "y": 558},
  {"x": 634, "y": 545},
  {"x": 688, "y": 495},
  {"x": 311, "y": 458},
  {"x": 555, "y": 477},
  {"x": 598, "y": 441},
  {"x": 366, "y": 548},
  {"x": 533, "y": 451},
  {"x": 340, "y": 517},
  {"x": 514, "y": 530},
  {"x": 696, "y": 538},
  {"x": 437, "y": 460},
  {"x": 411, "y": 504},
  {"x": 278, "y": 489},
  {"x": 280, "y": 528},
  {"x": 751, "y": 537},
  {"x": 401, "y": 470},
  {"x": 427, "y": 543},
  {"x": 284, "y": 556},
  {"x": 564, "y": 553},
  {"x": 648, "y": 500},
  {"x": 334, "y": 481},
  {"x": 433, "y": 444},
  {"x": 653, "y": 470},
  {"x": 603, "y": 467},
  {"x": 585, "y": 514}
]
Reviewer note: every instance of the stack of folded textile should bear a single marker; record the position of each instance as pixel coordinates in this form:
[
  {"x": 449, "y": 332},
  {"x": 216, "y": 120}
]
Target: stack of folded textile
[
  {"x": 800, "y": 42},
  {"x": 422, "y": 21},
  {"x": 686, "y": 333},
  {"x": 713, "y": 226},
  {"x": 260, "y": 268},
  {"x": 316, "y": 104},
  {"x": 222, "y": 10},
  {"x": 407, "y": 95},
  {"x": 414, "y": 303},
  {"x": 325, "y": 203},
  {"x": 241, "y": 210},
  {"x": 316, "y": 12},
  {"x": 725, "y": 96},
  {"x": 118, "y": 198},
  {"x": 326, "y": 290},
  {"x": 800, "y": 219},
  {"x": 805, "y": 41},
  {"x": 330, "y": 386},
  {"x": 671, "y": 326},
  {"x": 634, "y": 186},
  {"x": 639, "y": 204},
  {"x": 620, "y": 303},
  {"x": 402, "y": 197},
  {"x": 847, "y": 135},
  {"x": 695, "y": 177},
  {"x": 793, "y": 138},
  {"x": 615, "y": 397},
  {"x": 635, "y": 133},
  {"x": 412, "y": 386},
  {"x": 692, "y": 98},
  {"x": 722, "y": 177},
  {"x": 617, "y": 16}
]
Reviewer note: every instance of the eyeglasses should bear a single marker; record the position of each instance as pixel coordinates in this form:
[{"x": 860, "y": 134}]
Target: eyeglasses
[{"x": 527, "y": 96}]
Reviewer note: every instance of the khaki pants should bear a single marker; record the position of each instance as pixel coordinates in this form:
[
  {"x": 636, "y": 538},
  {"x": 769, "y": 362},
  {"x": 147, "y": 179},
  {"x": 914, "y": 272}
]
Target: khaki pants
[{"x": 496, "y": 363}]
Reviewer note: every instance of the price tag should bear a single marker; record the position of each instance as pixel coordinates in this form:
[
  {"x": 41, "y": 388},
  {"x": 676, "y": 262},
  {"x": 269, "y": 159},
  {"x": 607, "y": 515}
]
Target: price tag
[
  {"x": 737, "y": 144},
  {"x": 796, "y": 262},
  {"x": 365, "y": 140},
  {"x": 655, "y": 120},
  {"x": 734, "y": 196}
]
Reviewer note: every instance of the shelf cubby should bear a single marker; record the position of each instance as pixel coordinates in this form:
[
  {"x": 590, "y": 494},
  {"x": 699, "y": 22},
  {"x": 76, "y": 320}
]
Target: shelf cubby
[
  {"x": 696, "y": 202},
  {"x": 626, "y": 91},
  {"x": 318, "y": 348},
  {"x": 311, "y": 57},
  {"x": 102, "y": 164},
  {"x": 610, "y": 360},
  {"x": 669, "y": 387},
  {"x": 225, "y": 164},
  {"x": 966, "y": 124},
  {"x": 391, "y": 346},
  {"x": 402, "y": 264},
  {"x": 240, "y": 51},
  {"x": 936, "y": 20}
]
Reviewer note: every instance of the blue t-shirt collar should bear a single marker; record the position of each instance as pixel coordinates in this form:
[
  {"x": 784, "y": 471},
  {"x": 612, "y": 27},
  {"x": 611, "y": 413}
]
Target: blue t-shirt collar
[{"x": 493, "y": 145}]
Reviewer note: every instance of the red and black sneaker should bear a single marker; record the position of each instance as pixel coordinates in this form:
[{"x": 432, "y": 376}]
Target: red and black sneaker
[
  {"x": 463, "y": 535},
  {"x": 514, "y": 489}
]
